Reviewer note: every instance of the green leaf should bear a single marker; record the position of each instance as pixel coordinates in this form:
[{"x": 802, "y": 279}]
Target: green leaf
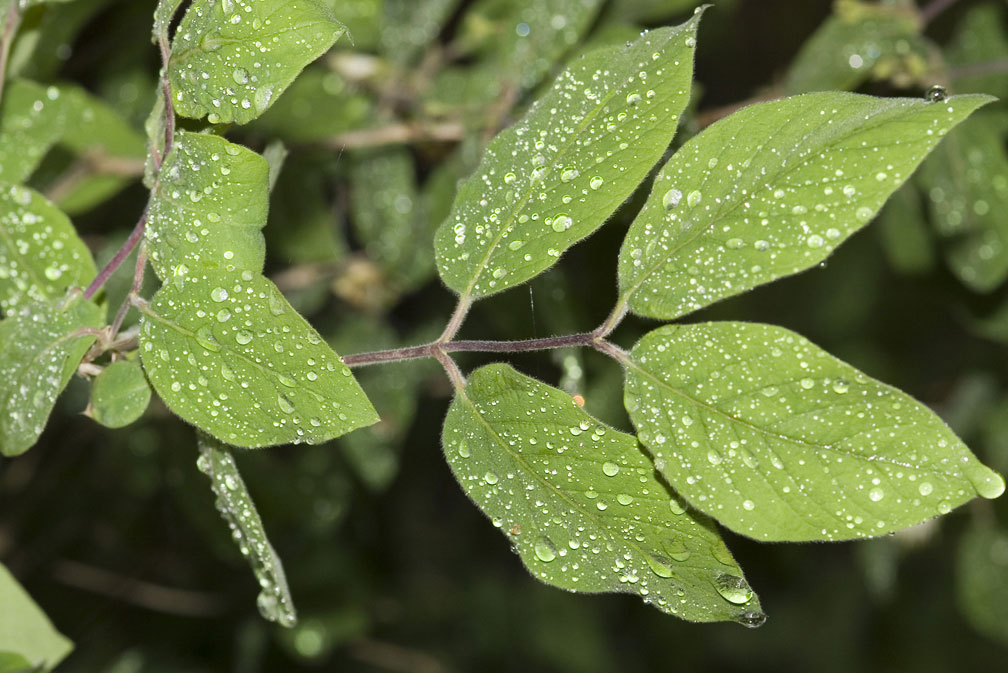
[
  {"x": 231, "y": 59},
  {"x": 227, "y": 353},
  {"x": 40, "y": 253},
  {"x": 120, "y": 394},
  {"x": 966, "y": 182},
  {"x": 903, "y": 229},
  {"x": 409, "y": 26},
  {"x": 32, "y": 119},
  {"x": 302, "y": 229},
  {"x": 210, "y": 203},
  {"x": 779, "y": 440},
  {"x": 580, "y": 503},
  {"x": 982, "y": 580},
  {"x": 846, "y": 50},
  {"x": 38, "y": 354},
  {"x": 771, "y": 191},
  {"x": 980, "y": 42},
  {"x": 163, "y": 15},
  {"x": 554, "y": 177},
  {"x": 25, "y": 631},
  {"x": 236, "y": 507}
]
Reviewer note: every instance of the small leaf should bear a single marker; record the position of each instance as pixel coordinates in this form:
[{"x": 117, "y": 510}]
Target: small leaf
[
  {"x": 163, "y": 15},
  {"x": 967, "y": 194},
  {"x": 982, "y": 580},
  {"x": 40, "y": 253},
  {"x": 771, "y": 191},
  {"x": 120, "y": 394},
  {"x": 554, "y": 177},
  {"x": 210, "y": 203},
  {"x": 236, "y": 507},
  {"x": 227, "y": 353},
  {"x": 580, "y": 503},
  {"x": 25, "y": 631},
  {"x": 779, "y": 440},
  {"x": 232, "y": 58},
  {"x": 32, "y": 119},
  {"x": 38, "y": 355}
]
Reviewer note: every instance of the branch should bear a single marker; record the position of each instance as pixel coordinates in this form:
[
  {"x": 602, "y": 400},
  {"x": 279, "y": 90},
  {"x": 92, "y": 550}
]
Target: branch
[
  {"x": 7, "y": 39},
  {"x": 401, "y": 133},
  {"x": 134, "y": 238},
  {"x": 930, "y": 11}
]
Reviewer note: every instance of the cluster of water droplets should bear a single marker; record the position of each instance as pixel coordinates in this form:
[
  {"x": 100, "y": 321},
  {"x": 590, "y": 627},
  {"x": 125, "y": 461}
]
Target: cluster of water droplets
[{"x": 779, "y": 440}]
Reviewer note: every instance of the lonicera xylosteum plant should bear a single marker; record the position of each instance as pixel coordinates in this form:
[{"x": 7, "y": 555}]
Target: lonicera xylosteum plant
[{"x": 746, "y": 425}]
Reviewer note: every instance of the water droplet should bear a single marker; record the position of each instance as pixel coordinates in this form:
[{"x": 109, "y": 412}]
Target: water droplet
[
  {"x": 751, "y": 619},
  {"x": 509, "y": 178},
  {"x": 714, "y": 458},
  {"x": 545, "y": 551},
  {"x": 659, "y": 565},
  {"x": 243, "y": 336},
  {"x": 463, "y": 449},
  {"x": 610, "y": 469},
  {"x": 671, "y": 199},
  {"x": 925, "y": 488},
  {"x": 944, "y": 507},
  {"x": 806, "y": 383},
  {"x": 693, "y": 198},
  {"x": 633, "y": 98},
  {"x": 53, "y": 272},
  {"x": 240, "y": 76},
  {"x": 223, "y": 315},
  {"x": 734, "y": 243},
  {"x": 840, "y": 386},
  {"x": 227, "y": 373},
  {"x": 733, "y": 589},
  {"x": 815, "y": 241},
  {"x": 218, "y": 294},
  {"x": 988, "y": 483},
  {"x": 286, "y": 381},
  {"x": 561, "y": 223},
  {"x": 490, "y": 478},
  {"x": 676, "y": 506},
  {"x": 595, "y": 182},
  {"x": 569, "y": 174},
  {"x": 285, "y": 403},
  {"x": 936, "y": 94},
  {"x": 515, "y": 245},
  {"x": 876, "y": 494},
  {"x": 762, "y": 245},
  {"x": 624, "y": 499},
  {"x": 690, "y": 42},
  {"x": 277, "y": 303},
  {"x": 748, "y": 505},
  {"x": 499, "y": 273},
  {"x": 206, "y": 339}
]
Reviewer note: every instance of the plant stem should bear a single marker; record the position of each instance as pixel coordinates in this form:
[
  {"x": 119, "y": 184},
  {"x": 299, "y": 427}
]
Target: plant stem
[
  {"x": 138, "y": 275},
  {"x": 458, "y": 317},
  {"x": 134, "y": 238},
  {"x": 7, "y": 39},
  {"x": 933, "y": 9}
]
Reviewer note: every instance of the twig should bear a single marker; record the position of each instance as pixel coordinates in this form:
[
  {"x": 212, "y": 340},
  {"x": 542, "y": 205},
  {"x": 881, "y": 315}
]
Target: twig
[
  {"x": 138, "y": 275},
  {"x": 933, "y": 9},
  {"x": 974, "y": 69},
  {"x": 93, "y": 162},
  {"x": 7, "y": 39},
  {"x": 447, "y": 131},
  {"x": 134, "y": 239},
  {"x": 395, "y": 657}
]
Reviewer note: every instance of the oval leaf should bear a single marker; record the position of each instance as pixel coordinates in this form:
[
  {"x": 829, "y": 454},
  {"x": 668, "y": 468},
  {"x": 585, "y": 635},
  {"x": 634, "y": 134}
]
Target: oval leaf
[
  {"x": 232, "y": 58},
  {"x": 41, "y": 254},
  {"x": 25, "y": 630},
  {"x": 779, "y": 440},
  {"x": 560, "y": 172},
  {"x": 210, "y": 202},
  {"x": 580, "y": 503},
  {"x": 227, "y": 353},
  {"x": 771, "y": 191},
  {"x": 120, "y": 394},
  {"x": 38, "y": 354},
  {"x": 982, "y": 580},
  {"x": 236, "y": 507}
]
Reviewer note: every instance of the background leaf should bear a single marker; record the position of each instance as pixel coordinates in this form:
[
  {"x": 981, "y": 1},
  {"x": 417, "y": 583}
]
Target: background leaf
[
  {"x": 779, "y": 440},
  {"x": 580, "y": 504},
  {"x": 236, "y": 507},
  {"x": 772, "y": 190},
  {"x": 41, "y": 254},
  {"x": 227, "y": 353},
  {"x": 210, "y": 202},
  {"x": 120, "y": 394},
  {"x": 231, "y": 59},
  {"x": 38, "y": 356},
  {"x": 554, "y": 177},
  {"x": 982, "y": 580},
  {"x": 24, "y": 628}
]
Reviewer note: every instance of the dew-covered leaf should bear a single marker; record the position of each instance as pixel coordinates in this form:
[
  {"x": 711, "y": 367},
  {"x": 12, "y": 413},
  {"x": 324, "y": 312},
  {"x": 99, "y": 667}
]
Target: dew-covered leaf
[
  {"x": 851, "y": 47},
  {"x": 232, "y": 58},
  {"x": 210, "y": 203},
  {"x": 982, "y": 580},
  {"x": 32, "y": 119},
  {"x": 120, "y": 394},
  {"x": 25, "y": 631},
  {"x": 41, "y": 254},
  {"x": 227, "y": 353},
  {"x": 772, "y": 190},
  {"x": 163, "y": 15},
  {"x": 779, "y": 440},
  {"x": 580, "y": 502},
  {"x": 554, "y": 177},
  {"x": 39, "y": 352},
  {"x": 966, "y": 185},
  {"x": 239, "y": 511}
]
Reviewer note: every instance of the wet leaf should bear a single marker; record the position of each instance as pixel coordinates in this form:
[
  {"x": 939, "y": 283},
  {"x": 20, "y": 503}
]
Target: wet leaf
[
  {"x": 210, "y": 203},
  {"x": 554, "y": 177},
  {"x": 239, "y": 511},
  {"x": 38, "y": 355},
  {"x": 966, "y": 186},
  {"x": 25, "y": 631},
  {"x": 120, "y": 394},
  {"x": 580, "y": 503},
  {"x": 227, "y": 353},
  {"x": 772, "y": 190},
  {"x": 32, "y": 119},
  {"x": 41, "y": 254},
  {"x": 982, "y": 580},
  {"x": 232, "y": 58},
  {"x": 163, "y": 15},
  {"x": 779, "y": 440}
]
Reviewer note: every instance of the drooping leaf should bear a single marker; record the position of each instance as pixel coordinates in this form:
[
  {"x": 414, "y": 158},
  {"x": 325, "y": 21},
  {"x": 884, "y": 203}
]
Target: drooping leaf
[
  {"x": 554, "y": 177},
  {"x": 580, "y": 504},
  {"x": 966, "y": 184},
  {"x": 851, "y": 47},
  {"x": 25, "y": 631},
  {"x": 120, "y": 394},
  {"x": 210, "y": 203},
  {"x": 41, "y": 254},
  {"x": 982, "y": 580},
  {"x": 778, "y": 440},
  {"x": 239, "y": 511},
  {"x": 232, "y": 58},
  {"x": 903, "y": 229},
  {"x": 38, "y": 354},
  {"x": 772, "y": 190},
  {"x": 227, "y": 353}
]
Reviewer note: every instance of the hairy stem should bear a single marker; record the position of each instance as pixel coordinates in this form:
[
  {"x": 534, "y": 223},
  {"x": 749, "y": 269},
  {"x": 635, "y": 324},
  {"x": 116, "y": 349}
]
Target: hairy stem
[
  {"x": 933, "y": 9},
  {"x": 138, "y": 274},
  {"x": 134, "y": 239},
  {"x": 458, "y": 317},
  {"x": 7, "y": 39}
]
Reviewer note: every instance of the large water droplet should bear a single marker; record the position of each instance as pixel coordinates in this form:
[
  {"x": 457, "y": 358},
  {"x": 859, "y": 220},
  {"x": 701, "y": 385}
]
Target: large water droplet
[
  {"x": 218, "y": 294},
  {"x": 671, "y": 199},
  {"x": 733, "y": 589},
  {"x": 610, "y": 469},
  {"x": 545, "y": 550}
]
